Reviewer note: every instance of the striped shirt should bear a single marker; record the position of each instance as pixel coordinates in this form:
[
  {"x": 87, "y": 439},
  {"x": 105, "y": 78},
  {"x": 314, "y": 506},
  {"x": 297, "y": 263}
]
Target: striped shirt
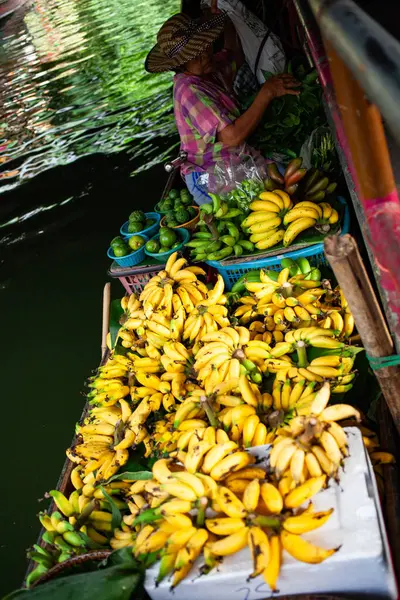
[{"x": 203, "y": 106}]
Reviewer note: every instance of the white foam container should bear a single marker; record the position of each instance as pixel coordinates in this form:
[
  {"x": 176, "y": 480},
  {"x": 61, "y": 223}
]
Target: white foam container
[{"x": 361, "y": 566}]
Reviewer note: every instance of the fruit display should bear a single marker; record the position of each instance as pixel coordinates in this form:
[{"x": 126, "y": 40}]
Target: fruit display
[
  {"x": 178, "y": 208},
  {"x": 137, "y": 222},
  {"x": 195, "y": 380},
  {"x": 123, "y": 247},
  {"x": 164, "y": 241},
  {"x": 274, "y": 217}
]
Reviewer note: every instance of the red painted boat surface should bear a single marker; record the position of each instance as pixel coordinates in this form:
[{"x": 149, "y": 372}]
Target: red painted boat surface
[{"x": 7, "y": 7}]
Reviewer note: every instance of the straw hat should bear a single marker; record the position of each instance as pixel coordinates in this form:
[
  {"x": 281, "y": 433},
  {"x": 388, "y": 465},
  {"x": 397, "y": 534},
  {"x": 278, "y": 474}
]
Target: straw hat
[{"x": 180, "y": 39}]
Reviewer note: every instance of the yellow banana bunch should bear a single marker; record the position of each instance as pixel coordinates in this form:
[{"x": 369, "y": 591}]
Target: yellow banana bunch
[
  {"x": 265, "y": 220},
  {"x": 329, "y": 214},
  {"x": 314, "y": 336},
  {"x": 173, "y": 288},
  {"x": 131, "y": 305},
  {"x": 312, "y": 445},
  {"x": 221, "y": 356},
  {"x": 203, "y": 320},
  {"x": 247, "y": 521}
]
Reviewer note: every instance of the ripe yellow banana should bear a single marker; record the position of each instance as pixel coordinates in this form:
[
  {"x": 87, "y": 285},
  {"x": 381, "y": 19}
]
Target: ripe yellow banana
[
  {"x": 302, "y": 550},
  {"x": 216, "y": 454},
  {"x": 224, "y": 525},
  {"x": 230, "y": 503},
  {"x": 251, "y": 495},
  {"x": 272, "y": 498},
  {"x": 231, "y": 543},
  {"x": 230, "y": 464},
  {"x": 259, "y": 548},
  {"x": 271, "y": 238},
  {"x": 306, "y": 521},
  {"x": 271, "y": 573},
  {"x": 304, "y": 492}
]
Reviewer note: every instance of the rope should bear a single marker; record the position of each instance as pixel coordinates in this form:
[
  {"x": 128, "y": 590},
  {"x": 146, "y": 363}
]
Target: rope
[{"x": 381, "y": 362}]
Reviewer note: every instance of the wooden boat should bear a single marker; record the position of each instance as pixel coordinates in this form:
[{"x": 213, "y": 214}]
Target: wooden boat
[{"x": 8, "y": 7}]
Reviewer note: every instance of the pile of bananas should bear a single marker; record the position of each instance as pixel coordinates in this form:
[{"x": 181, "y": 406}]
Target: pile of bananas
[
  {"x": 228, "y": 230},
  {"x": 274, "y": 219},
  {"x": 184, "y": 513},
  {"x": 190, "y": 384}
]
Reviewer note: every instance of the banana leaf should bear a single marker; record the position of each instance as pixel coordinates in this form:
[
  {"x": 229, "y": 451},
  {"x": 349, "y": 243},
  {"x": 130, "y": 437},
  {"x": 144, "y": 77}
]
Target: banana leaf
[
  {"x": 116, "y": 579},
  {"x": 115, "y": 315}
]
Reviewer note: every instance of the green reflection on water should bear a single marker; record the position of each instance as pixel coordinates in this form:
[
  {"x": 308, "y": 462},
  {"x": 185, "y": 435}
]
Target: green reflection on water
[{"x": 74, "y": 84}]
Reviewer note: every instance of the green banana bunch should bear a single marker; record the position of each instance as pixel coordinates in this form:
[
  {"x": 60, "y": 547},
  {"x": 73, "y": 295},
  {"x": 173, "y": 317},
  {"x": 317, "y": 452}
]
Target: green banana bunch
[{"x": 317, "y": 186}]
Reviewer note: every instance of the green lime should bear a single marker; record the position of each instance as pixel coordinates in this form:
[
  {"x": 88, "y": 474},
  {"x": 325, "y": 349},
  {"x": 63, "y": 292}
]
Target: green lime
[
  {"x": 173, "y": 194},
  {"x": 120, "y": 251},
  {"x": 167, "y": 237},
  {"x": 117, "y": 241},
  {"x": 152, "y": 246},
  {"x": 135, "y": 242},
  {"x": 163, "y": 249}
]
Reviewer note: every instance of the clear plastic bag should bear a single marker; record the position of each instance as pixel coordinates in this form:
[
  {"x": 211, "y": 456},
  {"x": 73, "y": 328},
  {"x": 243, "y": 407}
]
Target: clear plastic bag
[
  {"x": 240, "y": 180},
  {"x": 319, "y": 151}
]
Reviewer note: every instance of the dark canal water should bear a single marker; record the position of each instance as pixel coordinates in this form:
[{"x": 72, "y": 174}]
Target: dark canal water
[{"x": 83, "y": 133}]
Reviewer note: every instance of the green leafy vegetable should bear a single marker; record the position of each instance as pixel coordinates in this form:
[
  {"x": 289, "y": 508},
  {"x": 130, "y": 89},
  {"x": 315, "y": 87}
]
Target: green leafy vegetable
[{"x": 290, "y": 120}]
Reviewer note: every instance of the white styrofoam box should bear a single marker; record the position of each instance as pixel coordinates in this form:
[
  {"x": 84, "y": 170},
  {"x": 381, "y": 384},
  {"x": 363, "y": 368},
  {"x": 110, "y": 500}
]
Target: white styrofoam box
[{"x": 362, "y": 564}]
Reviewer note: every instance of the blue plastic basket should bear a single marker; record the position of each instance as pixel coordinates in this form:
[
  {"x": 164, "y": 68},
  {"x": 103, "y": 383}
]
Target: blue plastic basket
[
  {"x": 132, "y": 259},
  {"x": 163, "y": 257},
  {"x": 314, "y": 253},
  {"x": 149, "y": 231}
]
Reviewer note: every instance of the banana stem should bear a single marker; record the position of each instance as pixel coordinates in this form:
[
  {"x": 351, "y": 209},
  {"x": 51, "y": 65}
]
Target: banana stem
[
  {"x": 239, "y": 354},
  {"x": 302, "y": 360},
  {"x": 206, "y": 406},
  {"x": 272, "y": 522},
  {"x": 85, "y": 514},
  {"x": 213, "y": 230},
  {"x": 287, "y": 290},
  {"x": 201, "y": 513}
]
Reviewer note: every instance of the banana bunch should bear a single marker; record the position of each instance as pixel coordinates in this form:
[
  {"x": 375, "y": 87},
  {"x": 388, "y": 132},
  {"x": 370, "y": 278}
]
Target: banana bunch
[
  {"x": 131, "y": 306},
  {"x": 223, "y": 356},
  {"x": 336, "y": 314},
  {"x": 173, "y": 289},
  {"x": 316, "y": 186},
  {"x": 307, "y": 214},
  {"x": 314, "y": 444},
  {"x": 266, "y": 217},
  {"x": 180, "y": 529},
  {"x": 117, "y": 367},
  {"x": 274, "y": 293},
  {"x": 77, "y": 526},
  {"x": 203, "y": 320},
  {"x": 257, "y": 521}
]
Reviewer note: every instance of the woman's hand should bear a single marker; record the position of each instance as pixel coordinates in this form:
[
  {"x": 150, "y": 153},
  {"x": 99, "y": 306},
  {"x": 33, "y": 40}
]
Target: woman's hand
[{"x": 280, "y": 85}]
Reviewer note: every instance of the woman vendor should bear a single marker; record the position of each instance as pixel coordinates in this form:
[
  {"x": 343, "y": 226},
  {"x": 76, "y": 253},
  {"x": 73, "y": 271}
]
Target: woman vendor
[{"x": 209, "y": 122}]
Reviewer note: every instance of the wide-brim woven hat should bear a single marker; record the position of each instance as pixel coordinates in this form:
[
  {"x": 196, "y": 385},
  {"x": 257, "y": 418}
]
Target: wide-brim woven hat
[{"x": 181, "y": 39}]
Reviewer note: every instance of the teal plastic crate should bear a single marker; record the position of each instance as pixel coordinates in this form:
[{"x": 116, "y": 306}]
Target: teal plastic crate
[{"x": 315, "y": 254}]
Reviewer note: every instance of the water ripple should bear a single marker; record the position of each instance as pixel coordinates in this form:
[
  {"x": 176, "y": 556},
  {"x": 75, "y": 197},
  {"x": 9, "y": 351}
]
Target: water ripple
[{"x": 72, "y": 83}]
